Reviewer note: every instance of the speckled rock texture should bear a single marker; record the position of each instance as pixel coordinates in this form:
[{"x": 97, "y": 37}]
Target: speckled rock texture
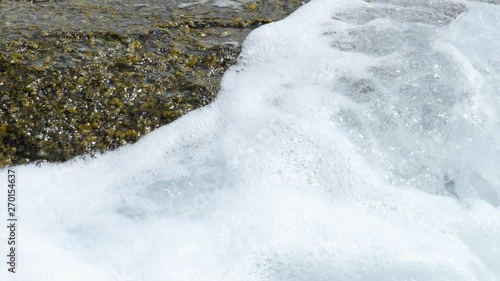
[{"x": 83, "y": 77}]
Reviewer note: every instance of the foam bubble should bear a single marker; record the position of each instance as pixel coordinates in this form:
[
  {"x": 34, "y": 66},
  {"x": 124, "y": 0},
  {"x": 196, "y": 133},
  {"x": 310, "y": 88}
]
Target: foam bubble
[{"x": 354, "y": 140}]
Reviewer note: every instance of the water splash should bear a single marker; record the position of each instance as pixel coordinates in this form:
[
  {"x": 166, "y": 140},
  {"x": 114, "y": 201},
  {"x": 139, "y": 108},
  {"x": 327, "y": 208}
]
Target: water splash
[{"x": 353, "y": 141}]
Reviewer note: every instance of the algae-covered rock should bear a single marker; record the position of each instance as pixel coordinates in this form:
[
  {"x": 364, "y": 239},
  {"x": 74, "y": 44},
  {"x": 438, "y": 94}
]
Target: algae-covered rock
[{"x": 79, "y": 77}]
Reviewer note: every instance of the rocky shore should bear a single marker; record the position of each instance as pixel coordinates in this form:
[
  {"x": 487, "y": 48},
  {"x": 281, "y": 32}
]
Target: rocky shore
[{"x": 83, "y": 77}]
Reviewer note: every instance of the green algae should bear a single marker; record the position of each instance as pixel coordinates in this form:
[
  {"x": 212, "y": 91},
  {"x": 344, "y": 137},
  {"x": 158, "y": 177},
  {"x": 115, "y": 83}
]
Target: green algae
[{"x": 83, "y": 77}]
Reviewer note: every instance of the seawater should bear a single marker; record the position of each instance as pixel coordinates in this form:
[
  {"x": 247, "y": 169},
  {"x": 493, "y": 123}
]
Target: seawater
[{"x": 353, "y": 140}]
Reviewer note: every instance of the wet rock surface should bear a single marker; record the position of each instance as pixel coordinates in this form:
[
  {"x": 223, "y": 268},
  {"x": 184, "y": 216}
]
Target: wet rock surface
[{"x": 82, "y": 77}]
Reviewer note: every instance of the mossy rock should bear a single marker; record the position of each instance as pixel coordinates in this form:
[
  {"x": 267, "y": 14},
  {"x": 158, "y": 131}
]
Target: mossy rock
[{"x": 83, "y": 77}]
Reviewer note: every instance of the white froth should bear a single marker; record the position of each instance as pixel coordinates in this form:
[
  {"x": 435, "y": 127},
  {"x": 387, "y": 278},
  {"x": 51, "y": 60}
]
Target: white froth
[{"x": 352, "y": 141}]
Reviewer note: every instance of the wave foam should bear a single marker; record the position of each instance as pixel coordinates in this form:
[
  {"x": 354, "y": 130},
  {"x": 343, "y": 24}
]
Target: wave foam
[{"x": 354, "y": 140}]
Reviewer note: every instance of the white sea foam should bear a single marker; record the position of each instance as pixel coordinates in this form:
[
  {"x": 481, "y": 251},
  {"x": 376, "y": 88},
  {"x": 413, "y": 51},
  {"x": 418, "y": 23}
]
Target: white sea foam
[{"x": 352, "y": 141}]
